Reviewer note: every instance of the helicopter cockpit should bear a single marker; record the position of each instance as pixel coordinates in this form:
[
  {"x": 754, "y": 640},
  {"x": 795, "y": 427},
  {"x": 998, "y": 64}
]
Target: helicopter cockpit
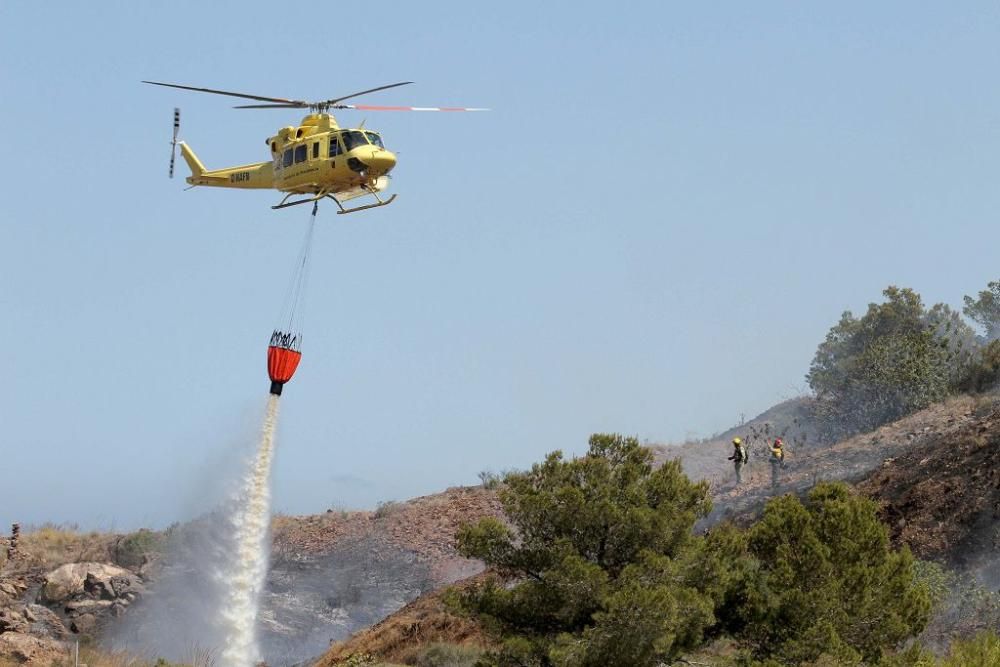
[{"x": 354, "y": 138}]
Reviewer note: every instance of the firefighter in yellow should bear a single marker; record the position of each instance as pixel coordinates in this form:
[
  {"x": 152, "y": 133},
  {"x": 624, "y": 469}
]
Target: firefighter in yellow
[
  {"x": 739, "y": 458},
  {"x": 777, "y": 461}
]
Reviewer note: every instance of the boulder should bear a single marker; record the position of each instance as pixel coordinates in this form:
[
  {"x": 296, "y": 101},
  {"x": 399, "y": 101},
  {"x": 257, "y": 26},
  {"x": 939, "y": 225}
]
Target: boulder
[
  {"x": 69, "y": 580},
  {"x": 32, "y": 651}
]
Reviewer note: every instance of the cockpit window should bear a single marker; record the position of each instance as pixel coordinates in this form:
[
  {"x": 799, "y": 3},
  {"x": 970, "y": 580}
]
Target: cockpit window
[
  {"x": 353, "y": 139},
  {"x": 375, "y": 139}
]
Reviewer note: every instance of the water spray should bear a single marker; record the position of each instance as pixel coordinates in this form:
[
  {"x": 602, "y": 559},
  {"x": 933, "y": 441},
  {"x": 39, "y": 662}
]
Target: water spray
[
  {"x": 250, "y": 524},
  {"x": 245, "y": 578}
]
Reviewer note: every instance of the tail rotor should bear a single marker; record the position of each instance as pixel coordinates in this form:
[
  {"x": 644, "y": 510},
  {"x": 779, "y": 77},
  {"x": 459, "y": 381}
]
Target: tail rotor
[{"x": 173, "y": 142}]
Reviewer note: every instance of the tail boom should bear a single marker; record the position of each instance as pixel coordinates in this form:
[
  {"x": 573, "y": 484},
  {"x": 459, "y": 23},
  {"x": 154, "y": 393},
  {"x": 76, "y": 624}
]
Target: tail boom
[{"x": 248, "y": 176}]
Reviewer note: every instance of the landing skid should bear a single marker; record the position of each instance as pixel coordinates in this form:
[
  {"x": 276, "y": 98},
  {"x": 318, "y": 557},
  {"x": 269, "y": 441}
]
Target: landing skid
[{"x": 285, "y": 203}]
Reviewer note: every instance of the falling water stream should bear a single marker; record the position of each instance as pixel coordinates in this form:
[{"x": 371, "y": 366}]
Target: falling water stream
[{"x": 247, "y": 571}]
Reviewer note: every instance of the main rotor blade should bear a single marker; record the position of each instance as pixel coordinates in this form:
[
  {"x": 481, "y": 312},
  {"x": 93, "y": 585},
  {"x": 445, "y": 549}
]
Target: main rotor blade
[
  {"x": 272, "y": 106},
  {"x": 226, "y": 92},
  {"x": 365, "y": 92},
  {"x": 370, "y": 107}
]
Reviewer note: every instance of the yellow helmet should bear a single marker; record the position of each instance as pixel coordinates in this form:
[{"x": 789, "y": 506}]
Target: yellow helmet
[{"x": 737, "y": 441}]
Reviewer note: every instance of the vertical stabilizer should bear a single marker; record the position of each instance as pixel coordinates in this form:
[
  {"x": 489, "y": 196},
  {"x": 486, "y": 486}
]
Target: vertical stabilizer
[{"x": 197, "y": 168}]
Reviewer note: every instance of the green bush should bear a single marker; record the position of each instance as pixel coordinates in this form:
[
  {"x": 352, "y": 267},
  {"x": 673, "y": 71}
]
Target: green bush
[
  {"x": 982, "y": 651},
  {"x": 135, "y": 549},
  {"x": 821, "y": 582},
  {"x": 897, "y": 358},
  {"x": 489, "y": 479},
  {"x": 448, "y": 655},
  {"x": 984, "y": 310},
  {"x": 607, "y": 570}
]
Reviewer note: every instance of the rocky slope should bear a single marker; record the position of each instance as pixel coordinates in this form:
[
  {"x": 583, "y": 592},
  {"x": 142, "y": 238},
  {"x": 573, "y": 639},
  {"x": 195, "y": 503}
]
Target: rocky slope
[
  {"x": 41, "y": 613},
  {"x": 330, "y": 576},
  {"x": 334, "y": 574},
  {"x": 942, "y": 496}
]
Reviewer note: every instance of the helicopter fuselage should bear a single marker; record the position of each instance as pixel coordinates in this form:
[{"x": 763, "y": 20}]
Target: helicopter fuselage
[{"x": 317, "y": 157}]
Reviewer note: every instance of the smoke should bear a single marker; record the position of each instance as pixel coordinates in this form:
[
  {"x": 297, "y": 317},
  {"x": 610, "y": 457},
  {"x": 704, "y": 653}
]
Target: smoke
[{"x": 313, "y": 599}]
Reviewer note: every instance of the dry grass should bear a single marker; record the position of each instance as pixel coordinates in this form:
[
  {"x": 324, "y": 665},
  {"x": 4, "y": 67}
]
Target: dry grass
[
  {"x": 49, "y": 545},
  {"x": 95, "y": 658}
]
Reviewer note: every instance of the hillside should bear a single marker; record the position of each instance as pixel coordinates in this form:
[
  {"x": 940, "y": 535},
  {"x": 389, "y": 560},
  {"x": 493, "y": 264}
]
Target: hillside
[
  {"x": 406, "y": 634},
  {"x": 789, "y": 420},
  {"x": 942, "y": 496},
  {"x": 850, "y": 460},
  {"x": 935, "y": 475},
  {"x": 331, "y": 575}
]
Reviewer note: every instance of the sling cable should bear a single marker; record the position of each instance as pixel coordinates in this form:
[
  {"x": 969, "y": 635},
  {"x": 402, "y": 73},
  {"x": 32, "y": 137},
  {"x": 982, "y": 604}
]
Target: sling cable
[{"x": 285, "y": 349}]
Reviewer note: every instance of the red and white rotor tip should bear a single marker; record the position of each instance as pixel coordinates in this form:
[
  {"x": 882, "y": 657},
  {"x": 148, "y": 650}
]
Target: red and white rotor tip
[{"x": 375, "y": 107}]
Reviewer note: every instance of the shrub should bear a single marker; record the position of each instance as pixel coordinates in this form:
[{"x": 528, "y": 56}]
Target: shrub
[
  {"x": 135, "y": 549},
  {"x": 490, "y": 479},
  {"x": 822, "y": 579},
  {"x": 448, "y": 655},
  {"x": 386, "y": 508},
  {"x": 894, "y": 360},
  {"x": 599, "y": 566},
  {"x": 982, "y": 651},
  {"x": 984, "y": 310},
  {"x": 607, "y": 570}
]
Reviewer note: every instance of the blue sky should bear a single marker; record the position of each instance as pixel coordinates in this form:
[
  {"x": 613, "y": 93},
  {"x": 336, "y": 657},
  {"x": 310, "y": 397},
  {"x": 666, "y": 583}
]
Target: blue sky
[{"x": 667, "y": 208}]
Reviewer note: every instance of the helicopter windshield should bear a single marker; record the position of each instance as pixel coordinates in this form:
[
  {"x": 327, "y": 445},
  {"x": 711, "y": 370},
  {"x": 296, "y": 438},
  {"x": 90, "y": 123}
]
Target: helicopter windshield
[
  {"x": 375, "y": 139},
  {"x": 353, "y": 139}
]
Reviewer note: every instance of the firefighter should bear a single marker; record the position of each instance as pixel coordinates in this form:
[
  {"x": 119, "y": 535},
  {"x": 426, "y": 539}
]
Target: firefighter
[
  {"x": 739, "y": 458},
  {"x": 777, "y": 461}
]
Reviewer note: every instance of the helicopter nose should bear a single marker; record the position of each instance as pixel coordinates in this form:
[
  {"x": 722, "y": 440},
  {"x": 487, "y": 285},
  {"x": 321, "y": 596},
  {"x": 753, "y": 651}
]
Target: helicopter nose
[{"x": 382, "y": 161}]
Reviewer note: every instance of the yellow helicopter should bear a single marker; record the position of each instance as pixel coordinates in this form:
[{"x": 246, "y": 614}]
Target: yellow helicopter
[{"x": 318, "y": 158}]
